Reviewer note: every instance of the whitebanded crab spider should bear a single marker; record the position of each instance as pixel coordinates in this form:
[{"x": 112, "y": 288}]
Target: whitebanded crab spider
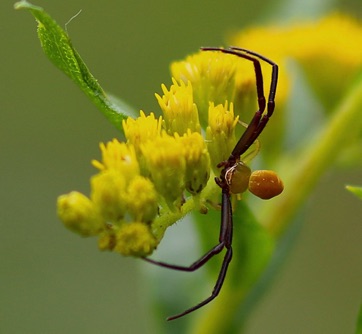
[{"x": 232, "y": 177}]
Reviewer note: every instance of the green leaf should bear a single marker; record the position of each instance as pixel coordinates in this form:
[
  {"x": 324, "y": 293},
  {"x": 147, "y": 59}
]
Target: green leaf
[
  {"x": 355, "y": 190},
  {"x": 58, "y": 47},
  {"x": 359, "y": 322}
]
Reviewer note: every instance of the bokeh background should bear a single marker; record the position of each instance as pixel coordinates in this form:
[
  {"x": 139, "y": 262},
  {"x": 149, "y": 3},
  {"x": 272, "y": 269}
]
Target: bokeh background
[{"x": 51, "y": 280}]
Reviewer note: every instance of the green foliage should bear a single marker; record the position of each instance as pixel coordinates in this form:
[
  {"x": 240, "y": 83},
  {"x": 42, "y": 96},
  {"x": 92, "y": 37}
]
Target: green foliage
[
  {"x": 359, "y": 322},
  {"x": 355, "y": 190},
  {"x": 58, "y": 47}
]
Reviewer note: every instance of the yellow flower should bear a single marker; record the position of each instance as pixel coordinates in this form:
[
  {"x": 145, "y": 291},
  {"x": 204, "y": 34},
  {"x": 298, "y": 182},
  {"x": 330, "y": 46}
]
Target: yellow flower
[
  {"x": 119, "y": 157},
  {"x": 197, "y": 159},
  {"x": 166, "y": 167},
  {"x": 179, "y": 110},
  {"x": 220, "y": 133},
  {"x": 211, "y": 75},
  {"x": 141, "y": 129}
]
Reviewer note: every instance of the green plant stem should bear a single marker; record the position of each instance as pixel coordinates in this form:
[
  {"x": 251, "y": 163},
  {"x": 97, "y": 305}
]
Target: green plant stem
[
  {"x": 169, "y": 218},
  {"x": 301, "y": 173}
]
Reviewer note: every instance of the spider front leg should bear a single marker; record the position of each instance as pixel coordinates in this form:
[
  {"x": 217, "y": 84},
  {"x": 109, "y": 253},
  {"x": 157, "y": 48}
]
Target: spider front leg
[{"x": 259, "y": 121}]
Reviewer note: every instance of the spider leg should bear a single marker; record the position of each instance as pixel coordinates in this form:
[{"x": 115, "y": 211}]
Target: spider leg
[
  {"x": 259, "y": 120},
  {"x": 225, "y": 238},
  {"x": 274, "y": 77},
  {"x": 226, "y": 233},
  {"x": 257, "y": 68},
  {"x": 215, "y": 291},
  {"x": 250, "y": 134},
  {"x": 194, "y": 266}
]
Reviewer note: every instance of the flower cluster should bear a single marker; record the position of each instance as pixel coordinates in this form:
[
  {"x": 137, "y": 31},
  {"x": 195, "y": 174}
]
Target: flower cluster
[
  {"x": 163, "y": 169},
  {"x": 167, "y": 165}
]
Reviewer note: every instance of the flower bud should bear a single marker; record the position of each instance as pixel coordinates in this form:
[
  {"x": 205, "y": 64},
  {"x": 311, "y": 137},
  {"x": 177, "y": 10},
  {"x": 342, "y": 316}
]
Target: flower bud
[
  {"x": 220, "y": 132},
  {"x": 166, "y": 164},
  {"x": 79, "y": 214},
  {"x": 142, "y": 199},
  {"x": 135, "y": 239},
  {"x": 197, "y": 161},
  {"x": 108, "y": 194}
]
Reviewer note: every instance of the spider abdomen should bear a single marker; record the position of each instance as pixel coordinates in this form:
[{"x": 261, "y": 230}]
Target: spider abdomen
[{"x": 265, "y": 184}]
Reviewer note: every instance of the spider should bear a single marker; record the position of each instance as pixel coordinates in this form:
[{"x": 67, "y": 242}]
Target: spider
[{"x": 232, "y": 179}]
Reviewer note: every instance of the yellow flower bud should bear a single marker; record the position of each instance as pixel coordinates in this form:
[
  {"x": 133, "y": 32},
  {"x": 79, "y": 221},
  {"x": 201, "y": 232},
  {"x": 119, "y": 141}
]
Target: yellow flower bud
[
  {"x": 79, "y": 214},
  {"x": 197, "y": 161},
  {"x": 220, "y": 133},
  {"x": 167, "y": 167},
  {"x": 108, "y": 194},
  {"x": 135, "y": 239},
  {"x": 142, "y": 200}
]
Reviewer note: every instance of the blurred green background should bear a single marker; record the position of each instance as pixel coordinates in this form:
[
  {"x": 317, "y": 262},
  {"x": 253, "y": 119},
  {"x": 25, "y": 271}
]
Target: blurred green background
[{"x": 51, "y": 281}]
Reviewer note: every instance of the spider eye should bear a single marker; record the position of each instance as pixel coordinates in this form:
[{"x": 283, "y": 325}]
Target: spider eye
[
  {"x": 265, "y": 184},
  {"x": 237, "y": 178}
]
